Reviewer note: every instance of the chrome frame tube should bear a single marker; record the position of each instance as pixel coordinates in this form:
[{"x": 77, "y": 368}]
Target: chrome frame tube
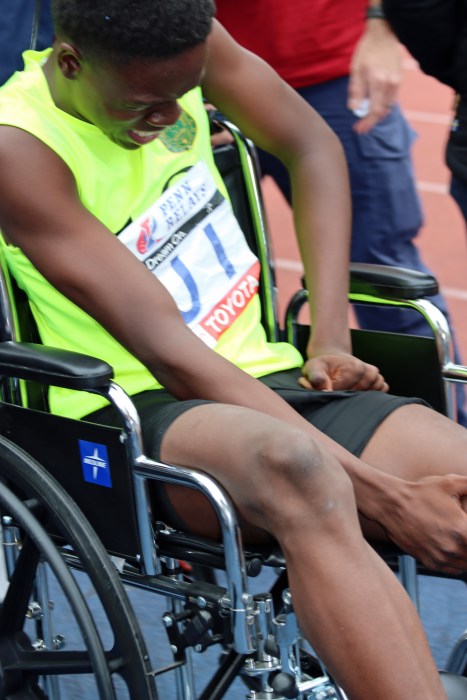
[
  {"x": 240, "y": 601},
  {"x": 409, "y": 578},
  {"x": 457, "y": 661},
  {"x": 131, "y": 426},
  {"x": 11, "y": 389},
  {"x": 144, "y": 469},
  {"x": 248, "y": 160}
]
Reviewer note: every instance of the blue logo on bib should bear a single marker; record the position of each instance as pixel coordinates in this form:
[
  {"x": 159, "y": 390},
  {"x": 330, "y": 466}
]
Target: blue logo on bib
[{"x": 95, "y": 463}]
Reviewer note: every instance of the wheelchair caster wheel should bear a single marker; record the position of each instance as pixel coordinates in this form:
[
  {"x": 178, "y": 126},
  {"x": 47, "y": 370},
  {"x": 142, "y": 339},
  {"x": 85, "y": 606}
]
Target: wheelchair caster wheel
[{"x": 284, "y": 686}]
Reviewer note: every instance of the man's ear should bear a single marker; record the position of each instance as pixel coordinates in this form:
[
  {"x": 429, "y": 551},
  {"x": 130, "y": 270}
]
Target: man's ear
[{"x": 69, "y": 60}]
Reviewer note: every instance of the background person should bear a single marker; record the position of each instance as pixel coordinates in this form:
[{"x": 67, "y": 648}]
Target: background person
[{"x": 435, "y": 33}]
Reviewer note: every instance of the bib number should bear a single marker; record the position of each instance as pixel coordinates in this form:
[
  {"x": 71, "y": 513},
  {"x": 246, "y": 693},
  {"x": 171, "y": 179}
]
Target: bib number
[{"x": 190, "y": 239}]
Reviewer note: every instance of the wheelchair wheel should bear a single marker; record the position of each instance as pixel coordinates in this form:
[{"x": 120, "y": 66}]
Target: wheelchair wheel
[{"x": 43, "y": 519}]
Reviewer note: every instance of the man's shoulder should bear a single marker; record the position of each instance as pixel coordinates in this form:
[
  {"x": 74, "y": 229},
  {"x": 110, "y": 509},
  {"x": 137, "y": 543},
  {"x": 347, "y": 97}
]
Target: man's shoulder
[
  {"x": 27, "y": 89},
  {"x": 24, "y": 157}
]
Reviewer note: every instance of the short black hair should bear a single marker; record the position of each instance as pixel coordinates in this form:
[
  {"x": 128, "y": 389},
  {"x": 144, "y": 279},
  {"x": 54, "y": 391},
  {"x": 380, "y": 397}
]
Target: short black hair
[{"x": 120, "y": 30}]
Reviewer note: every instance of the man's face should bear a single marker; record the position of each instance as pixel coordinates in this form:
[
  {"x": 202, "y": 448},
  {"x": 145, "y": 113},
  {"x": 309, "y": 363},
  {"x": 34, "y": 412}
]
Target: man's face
[{"x": 134, "y": 102}]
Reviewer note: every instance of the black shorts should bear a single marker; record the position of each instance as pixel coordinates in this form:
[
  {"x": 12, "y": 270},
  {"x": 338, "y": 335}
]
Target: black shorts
[{"x": 348, "y": 417}]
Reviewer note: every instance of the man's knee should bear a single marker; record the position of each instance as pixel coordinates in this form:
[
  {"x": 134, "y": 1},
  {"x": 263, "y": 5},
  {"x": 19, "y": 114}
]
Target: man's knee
[{"x": 299, "y": 481}]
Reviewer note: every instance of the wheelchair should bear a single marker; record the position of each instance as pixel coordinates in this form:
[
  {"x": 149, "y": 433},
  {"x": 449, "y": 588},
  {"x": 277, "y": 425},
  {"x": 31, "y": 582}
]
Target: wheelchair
[{"x": 58, "y": 526}]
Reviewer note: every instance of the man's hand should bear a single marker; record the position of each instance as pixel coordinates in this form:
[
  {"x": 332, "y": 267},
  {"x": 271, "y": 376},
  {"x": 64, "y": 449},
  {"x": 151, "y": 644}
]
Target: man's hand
[
  {"x": 375, "y": 74},
  {"x": 337, "y": 371},
  {"x": 427, "y": 520}
]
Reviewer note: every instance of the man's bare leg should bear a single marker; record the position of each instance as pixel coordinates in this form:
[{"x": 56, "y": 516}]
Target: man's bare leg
[
  {"x": 415, "y": 441},
  {"x": 350, "y": 606},
  {"x": 422, "y": 446}
]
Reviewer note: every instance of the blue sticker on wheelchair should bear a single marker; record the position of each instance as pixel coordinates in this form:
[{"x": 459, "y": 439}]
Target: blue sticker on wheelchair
[{"x": 95, "y": 463}]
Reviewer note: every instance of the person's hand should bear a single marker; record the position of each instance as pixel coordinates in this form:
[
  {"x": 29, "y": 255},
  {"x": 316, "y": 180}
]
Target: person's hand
[
  {"x": 337, "y": 371},
  {"x": 219, "y": 137},
  {"x": 375, "y": 74},
  {"x": 427, "y": 520}
]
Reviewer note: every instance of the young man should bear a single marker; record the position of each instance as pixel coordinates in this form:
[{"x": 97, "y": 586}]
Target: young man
[{"x": 105, "y": 163}]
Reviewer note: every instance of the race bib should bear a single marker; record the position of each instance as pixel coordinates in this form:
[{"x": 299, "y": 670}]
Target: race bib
[{"x": 190, "y": 239}]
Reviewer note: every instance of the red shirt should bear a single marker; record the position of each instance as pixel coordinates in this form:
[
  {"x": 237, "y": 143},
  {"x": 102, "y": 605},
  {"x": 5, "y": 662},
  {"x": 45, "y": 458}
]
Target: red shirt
[{"x": 306, "y": 41}]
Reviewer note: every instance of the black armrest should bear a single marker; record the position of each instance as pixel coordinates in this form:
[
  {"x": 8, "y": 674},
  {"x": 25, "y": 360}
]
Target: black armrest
[
  {"x": 392, "y": 282},
  {"x": 70, "y": 370}
]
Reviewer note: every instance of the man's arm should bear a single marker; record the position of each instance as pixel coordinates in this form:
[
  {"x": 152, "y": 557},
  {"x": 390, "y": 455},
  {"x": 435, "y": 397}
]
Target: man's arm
[
  {"x": 41, "y": 213},
  {"x": 278, "y": 120}
]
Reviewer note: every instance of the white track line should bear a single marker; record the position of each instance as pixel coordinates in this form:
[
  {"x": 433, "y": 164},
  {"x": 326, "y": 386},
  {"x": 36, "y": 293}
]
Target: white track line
[
  {"x": 454, "y": 293},
  {"x": 435, "y": 187},
  {"x": 428, "y": 117}
]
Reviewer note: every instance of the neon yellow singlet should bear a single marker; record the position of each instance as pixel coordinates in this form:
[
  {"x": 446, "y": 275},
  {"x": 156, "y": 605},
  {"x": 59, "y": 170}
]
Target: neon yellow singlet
[{"x": 118, "y": 186}]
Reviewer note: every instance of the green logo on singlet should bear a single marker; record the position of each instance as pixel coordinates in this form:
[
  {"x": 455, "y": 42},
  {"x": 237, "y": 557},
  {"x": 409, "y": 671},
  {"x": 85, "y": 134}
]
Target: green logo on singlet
[{"x": 181, "y": 135}]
